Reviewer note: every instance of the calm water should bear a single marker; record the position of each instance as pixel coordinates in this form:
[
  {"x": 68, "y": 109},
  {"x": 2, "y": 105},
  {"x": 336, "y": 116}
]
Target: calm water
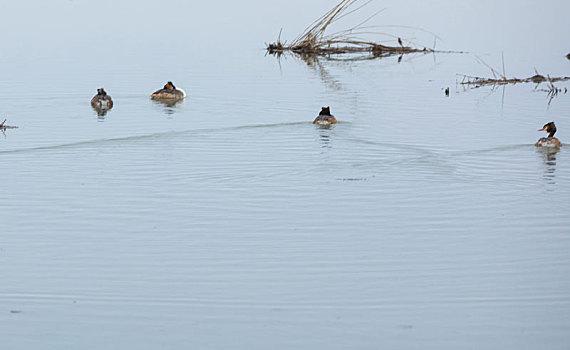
[{"x": 229, "y": 221}]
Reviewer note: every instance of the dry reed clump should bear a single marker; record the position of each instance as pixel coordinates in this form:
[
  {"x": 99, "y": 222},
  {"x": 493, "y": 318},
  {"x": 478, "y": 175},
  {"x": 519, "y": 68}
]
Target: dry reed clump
[{"x": 313, "y": 40}]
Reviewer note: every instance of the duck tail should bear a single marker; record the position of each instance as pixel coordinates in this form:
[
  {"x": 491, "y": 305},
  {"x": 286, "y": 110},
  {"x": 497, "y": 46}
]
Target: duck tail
[{"x": 182, "y": 91}]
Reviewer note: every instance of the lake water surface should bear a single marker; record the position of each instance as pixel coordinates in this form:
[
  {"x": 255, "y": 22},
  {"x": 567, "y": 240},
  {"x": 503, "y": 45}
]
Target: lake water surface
[{"x": 229, "y": 221}]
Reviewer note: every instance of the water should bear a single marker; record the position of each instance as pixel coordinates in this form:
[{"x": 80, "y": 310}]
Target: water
[{"x": 230, "y": 221}]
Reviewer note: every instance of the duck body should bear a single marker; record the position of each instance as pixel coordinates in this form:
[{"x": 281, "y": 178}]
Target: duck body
[
  {"x": 102, "y": 100},
  {"x": 325, "y": 117},
  {"x": 168, "y": 92},
  {"x": 550, "y": 140}
]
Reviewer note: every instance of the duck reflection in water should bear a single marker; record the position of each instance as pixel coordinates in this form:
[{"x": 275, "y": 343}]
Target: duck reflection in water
[
  {"x": 325, "y": 137},
  {"x": 168, "y": 106},
  {"x": 549, "y": 159},
  {"x": 101, "y": 112}
]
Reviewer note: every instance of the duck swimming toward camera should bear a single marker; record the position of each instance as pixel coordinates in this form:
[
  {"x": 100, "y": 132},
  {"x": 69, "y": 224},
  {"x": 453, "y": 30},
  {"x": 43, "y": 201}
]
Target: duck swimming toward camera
[
  {"x": 550, "y": 140},
  {"x": 102, "y": 100},
  {"x": 325, "y": 117},
  {"x": 168, "y": 92}
]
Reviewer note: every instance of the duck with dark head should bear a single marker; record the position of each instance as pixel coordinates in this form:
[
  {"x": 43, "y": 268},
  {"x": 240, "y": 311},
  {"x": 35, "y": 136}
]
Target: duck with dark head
[
  {"x": 550, "y": 140},
  {"x": 102, "y": 100},
  {"x": 168, "y": 92},
  {"x": 325, "y": 117}
]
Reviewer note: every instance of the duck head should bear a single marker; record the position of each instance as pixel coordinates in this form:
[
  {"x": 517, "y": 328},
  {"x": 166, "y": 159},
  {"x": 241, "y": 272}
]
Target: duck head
[
  {"x": 325, "y": 111},
  {"x": 550, "y": 128},
  {"x": 170, "y": 86}
]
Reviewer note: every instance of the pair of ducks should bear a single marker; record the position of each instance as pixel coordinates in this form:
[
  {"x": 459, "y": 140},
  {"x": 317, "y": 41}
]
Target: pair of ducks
[
  {"x": 168, "y": 92},
  {"x": 325, "y": 118}
]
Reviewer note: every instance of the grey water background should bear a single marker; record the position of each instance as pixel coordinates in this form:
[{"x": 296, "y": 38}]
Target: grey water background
[{"x": 230, "y": 222}]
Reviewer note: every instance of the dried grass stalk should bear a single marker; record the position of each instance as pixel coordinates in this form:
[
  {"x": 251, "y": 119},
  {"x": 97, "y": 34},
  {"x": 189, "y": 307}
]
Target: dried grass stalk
[{"x": 3, "y": 126}]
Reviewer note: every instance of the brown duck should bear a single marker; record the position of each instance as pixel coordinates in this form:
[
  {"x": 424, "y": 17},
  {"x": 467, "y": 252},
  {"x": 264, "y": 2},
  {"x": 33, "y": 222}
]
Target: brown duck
[
  {"x": 102, "y": 100},
  {"x": 325, "y": 117},
  {"x": 550, "y": 140},
  {"x": 168, "y": 92}
]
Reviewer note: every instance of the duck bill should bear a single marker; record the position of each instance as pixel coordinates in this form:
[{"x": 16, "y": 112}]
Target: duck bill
[{"x": 540, "y": 129}]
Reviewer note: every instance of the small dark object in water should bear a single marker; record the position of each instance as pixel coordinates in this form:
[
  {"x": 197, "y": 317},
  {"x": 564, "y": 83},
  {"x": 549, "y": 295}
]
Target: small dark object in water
[
  {"x": 568, "y": 56},
  {"x": 550, "y": 140},
  {"x": 325, "y": 117},
  {"x": 447, "y": 92},
  {"x": 537, "y": 78},
  {"x": 168, "y": 92},
  {"x": 102, "y": 100},
  {"x": 3, "y": 126},
  {"x": 400, "y": 42}
]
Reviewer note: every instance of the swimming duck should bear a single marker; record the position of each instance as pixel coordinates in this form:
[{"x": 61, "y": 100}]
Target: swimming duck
[
  {"x": 550, "y": 140},
  {"x": 325, "y": 117},
  {"x": 168, "y": 92},
  {"x": 102, "y": 100}
]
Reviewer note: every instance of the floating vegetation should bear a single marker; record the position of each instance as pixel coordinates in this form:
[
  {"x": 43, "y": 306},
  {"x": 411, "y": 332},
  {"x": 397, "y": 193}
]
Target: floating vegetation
[
  {"x": 3, "y": 126},
  {"x": 479, "y": 81},
  {"x": 501, "y": 79},
  {"x": 314, "y": 40}
]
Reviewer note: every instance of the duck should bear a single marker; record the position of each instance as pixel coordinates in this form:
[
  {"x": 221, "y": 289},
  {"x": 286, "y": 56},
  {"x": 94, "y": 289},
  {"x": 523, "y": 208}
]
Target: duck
[
  {"x": 325, "y": 117},
  {"x": 102, "y": 100},
  {"x": 550, "y": 140},
  {"x": 168, "y": 92}
]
